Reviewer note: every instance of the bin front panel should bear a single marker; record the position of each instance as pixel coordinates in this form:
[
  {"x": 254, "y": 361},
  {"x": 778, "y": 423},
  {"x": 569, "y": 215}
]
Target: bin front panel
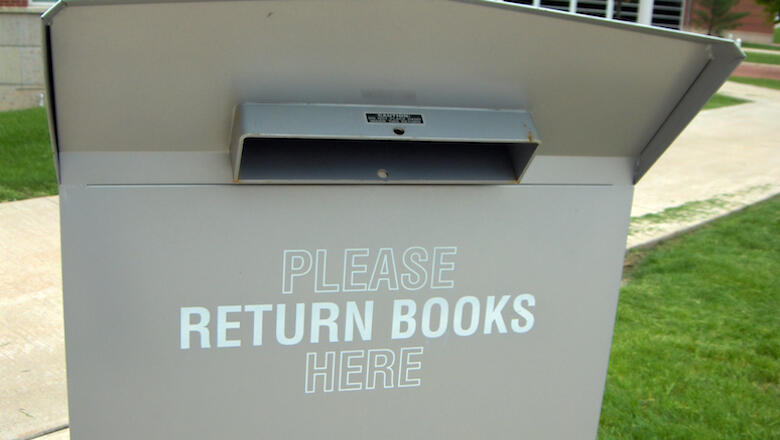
[{"x": 541, "y": 263}]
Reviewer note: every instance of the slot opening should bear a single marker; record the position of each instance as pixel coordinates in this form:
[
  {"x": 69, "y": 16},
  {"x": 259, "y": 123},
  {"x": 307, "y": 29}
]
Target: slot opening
[{"x": 292, "y": 160}]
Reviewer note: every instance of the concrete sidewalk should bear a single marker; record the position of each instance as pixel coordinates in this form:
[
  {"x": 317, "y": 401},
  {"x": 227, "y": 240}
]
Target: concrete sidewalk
[
  {"x": 726, "y": 159},
  {"x": 32, "y": 355}
]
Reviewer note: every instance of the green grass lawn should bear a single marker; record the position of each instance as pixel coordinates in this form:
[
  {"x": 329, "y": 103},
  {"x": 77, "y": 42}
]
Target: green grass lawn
[
  {"x": 696, "y": 350},
  {"x": 719, "y": 100},
  {"x": 761, "y": 82},
  {"x": 26, "y": 167},
  {"x": 760, "y": 46},
  {"x": 763, "y": 58}
]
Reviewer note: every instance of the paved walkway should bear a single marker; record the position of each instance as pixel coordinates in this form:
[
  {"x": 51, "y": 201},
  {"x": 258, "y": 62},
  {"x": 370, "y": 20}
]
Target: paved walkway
[
  {"x": 725, "y": 159},
  {"x": 32, "y": 360}
]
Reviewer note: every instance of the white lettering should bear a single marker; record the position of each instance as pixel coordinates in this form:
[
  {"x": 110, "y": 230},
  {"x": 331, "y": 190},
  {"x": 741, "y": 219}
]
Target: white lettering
[
  {"x": 440, "y": 264},
  {"x": 296, "y": 263},
  {"x": 417, "y": 276},
  {"x": 384, "y": 270},
  {"x": 187, "y": 327},
  {"x": 300, "y": 315},
  {"x": 351, "y": 268},
  {"x": 407, "y": 365},
  {"x": 223, "y": 325},
  {"x": 348, "y": 369},
  {"x": 353, "y": 319},
  {"x": 403, "y": 313},
  {"x": 257, "y": 327},
  {"x": 317, "y": 321},
  {"x": 380, "y": 362},
  {"x": 360, "y": 369},
  {"x": 325, "y": 372},
  {"x": 443, "y": 306},
  {"x": 523, "y": 312},
  {"x": 320, "y": 268},
  {"x": 457, "y": 319},
  {"x": 493, "y": 314}
]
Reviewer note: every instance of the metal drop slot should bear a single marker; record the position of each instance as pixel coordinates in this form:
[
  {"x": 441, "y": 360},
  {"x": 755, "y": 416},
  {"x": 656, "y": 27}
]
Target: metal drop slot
[
  {"x": 348, "y": 160},
  {"x": 332, "y": 144}
]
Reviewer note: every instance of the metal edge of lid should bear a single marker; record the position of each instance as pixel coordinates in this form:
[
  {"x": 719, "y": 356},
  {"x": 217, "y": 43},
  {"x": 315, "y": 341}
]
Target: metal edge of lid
[
  {"x": 723, "y": 61},
  {"x": 48, "y": 80},
  {"x": 48, "y": 15}
]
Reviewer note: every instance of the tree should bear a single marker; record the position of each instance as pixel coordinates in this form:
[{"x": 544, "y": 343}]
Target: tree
[
  {"x": 772, "y": 8},
  {"x": 716, "y": 16}
]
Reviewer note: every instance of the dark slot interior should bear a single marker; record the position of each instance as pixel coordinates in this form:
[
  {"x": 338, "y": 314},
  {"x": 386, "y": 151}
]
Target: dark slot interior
[{"x": 345, "y": 161}]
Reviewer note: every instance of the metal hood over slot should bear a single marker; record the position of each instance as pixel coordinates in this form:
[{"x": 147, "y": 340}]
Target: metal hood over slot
[{"x": 366, "y": 144}]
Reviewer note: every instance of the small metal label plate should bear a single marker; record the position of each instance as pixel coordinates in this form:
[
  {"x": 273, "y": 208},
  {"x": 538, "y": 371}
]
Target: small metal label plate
[{"x": 394, "y": 118}]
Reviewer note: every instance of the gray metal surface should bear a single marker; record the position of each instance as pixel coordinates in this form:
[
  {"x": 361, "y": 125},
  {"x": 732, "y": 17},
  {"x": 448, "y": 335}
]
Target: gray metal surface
[
  {"x": 589, "y": 84},
  {"x": 133, "y": 256}
]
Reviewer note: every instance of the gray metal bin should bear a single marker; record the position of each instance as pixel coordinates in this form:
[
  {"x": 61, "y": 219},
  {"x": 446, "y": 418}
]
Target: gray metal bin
[{"x": 342, "y": 219}]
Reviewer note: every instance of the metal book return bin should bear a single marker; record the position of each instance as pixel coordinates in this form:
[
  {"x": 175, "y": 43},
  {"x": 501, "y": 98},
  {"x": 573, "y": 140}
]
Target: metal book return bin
[{"x": 338, "y": 219}]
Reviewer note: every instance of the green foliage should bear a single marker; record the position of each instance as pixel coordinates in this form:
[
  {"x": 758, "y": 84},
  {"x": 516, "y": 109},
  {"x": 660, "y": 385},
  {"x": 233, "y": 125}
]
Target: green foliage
[
  {"x": 719, "y": 100},
  {"x": 772, "y": 9},
  {"x": 761, "y": 82},
  {"x": 764, "y": 58},
  {"x": 26, "y": 166},
  {"x": 696, "y": 350},
  {"x": 716, "y": 16}
]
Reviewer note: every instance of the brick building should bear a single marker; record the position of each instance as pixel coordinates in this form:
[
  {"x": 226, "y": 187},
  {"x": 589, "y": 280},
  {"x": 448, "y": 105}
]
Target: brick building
[{"x": 756, "y": 27}]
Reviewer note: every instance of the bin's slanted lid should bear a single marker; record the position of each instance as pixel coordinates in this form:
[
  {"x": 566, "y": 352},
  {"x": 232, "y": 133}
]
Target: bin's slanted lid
[{"x": 166, "y": 76}]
